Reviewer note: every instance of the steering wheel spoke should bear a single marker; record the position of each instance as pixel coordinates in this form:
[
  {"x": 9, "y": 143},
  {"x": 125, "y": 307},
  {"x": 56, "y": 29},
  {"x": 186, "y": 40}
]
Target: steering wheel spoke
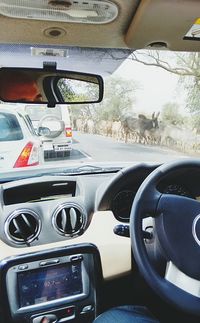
[
  {"x": 149, "y": 202},
  {"x": 181, "y": 280}
]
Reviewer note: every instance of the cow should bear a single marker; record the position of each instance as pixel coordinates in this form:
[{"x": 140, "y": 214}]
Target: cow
[
  {"x": 105, "y": 128},
  {"x": 117, "y": 130},
  {"x": 90, "y": 126},
  {"x": 129, "y": 126},
  {"x": 180, "y": 138},
  {"x": 79, "y": 125},
  {"x": 138, "y": 127}
]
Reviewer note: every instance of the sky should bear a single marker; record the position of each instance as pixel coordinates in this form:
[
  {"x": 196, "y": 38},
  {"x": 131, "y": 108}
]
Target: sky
[{"x": 157, "y": 86}]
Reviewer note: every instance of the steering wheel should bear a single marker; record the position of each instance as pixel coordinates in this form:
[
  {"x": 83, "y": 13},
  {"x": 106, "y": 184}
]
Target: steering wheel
[{"x": 177, "y": 226}]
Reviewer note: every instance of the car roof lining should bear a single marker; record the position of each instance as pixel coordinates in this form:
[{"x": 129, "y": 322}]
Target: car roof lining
[
  {"x": 110, "y": 35},
  {"x": 139, "y": 23}
]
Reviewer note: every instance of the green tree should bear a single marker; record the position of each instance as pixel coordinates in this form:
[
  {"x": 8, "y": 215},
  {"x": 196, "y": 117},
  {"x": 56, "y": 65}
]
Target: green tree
[
  {"x": 195, "y": 120},
  {"x": 66, "y": 90},
  {"x": 119, "y": 98},
  {"x": 185, "y": 65},
  {"x": 78, "y": 91},
  {"x": 170, "y": 114}
]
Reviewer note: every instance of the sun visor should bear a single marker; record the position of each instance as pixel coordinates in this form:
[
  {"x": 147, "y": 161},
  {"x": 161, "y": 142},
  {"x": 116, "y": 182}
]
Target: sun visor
[{"x": 165, "y": 24}]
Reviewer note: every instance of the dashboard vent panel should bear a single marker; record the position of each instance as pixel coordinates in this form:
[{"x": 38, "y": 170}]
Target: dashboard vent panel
[
  {"x": 69, "y": 219},
  {"x": 23, "y": 226}
]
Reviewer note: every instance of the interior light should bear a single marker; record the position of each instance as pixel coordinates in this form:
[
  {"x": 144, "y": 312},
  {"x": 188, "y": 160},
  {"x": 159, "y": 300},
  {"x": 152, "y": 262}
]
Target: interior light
[{"x": 79, "y": 11}]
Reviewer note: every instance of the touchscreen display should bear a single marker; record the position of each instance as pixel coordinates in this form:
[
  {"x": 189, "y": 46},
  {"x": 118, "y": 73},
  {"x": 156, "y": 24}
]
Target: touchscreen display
[{"x": 51, "y": 283}]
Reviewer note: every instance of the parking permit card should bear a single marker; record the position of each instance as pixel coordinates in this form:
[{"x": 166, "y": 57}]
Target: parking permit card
[{"x": 194, "y": 32}]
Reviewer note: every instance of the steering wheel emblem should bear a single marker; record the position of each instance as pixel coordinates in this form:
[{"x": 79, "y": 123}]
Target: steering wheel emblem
[{"x": 196, "y": 229}]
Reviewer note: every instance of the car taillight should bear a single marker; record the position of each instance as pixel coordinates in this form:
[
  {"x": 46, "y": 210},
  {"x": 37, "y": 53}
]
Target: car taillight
[
  {"x": 29, "y": 156},
  {"x": 68, "y": 132}
]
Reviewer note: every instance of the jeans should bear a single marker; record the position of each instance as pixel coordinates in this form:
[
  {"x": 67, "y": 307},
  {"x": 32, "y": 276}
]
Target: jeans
[{"x": 126, "y": 314}]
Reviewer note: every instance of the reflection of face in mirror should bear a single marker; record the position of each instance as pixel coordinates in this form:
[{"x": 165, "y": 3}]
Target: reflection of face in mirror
[{"x": 19, "y": 86}]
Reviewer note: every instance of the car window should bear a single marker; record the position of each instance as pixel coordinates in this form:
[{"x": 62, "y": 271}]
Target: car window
[
  {"x": 29, "y": 124},
  {"x": 10, "y": 129},
  {"x": 38, "y": 113}
]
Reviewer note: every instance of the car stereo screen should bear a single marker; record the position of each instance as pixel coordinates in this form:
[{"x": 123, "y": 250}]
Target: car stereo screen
[{"x": 47, "y": 284}]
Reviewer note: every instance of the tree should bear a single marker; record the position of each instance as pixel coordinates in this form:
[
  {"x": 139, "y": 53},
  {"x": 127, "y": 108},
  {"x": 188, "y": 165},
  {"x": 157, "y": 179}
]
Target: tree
[
  {"x": 78, "y": 90},
  {"x": 119, "y": 96},
  {"x": 182, "y": 64},
  {"x": 170, "y": 114},
  {"x": 66, "y": 90},
  {"x": 185, "y": 65},
  {"x": 84, "y": 111},
  {"x": 195, "y": 120},
  {"x": 118, "y": 100}
]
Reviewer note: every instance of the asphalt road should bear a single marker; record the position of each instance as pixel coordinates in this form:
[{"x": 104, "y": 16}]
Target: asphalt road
[{"x": 100, "y": 148}]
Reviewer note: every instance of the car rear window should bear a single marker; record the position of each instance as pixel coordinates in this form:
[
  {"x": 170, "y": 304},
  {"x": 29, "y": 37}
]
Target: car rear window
[
  {"x": 10, "y": 129},
  {"x": 37, "y": 113}
]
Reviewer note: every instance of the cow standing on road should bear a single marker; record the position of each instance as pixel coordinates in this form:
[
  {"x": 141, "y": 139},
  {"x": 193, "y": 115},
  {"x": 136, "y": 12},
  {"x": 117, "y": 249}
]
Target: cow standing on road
[{"x": 139, "y": 127}]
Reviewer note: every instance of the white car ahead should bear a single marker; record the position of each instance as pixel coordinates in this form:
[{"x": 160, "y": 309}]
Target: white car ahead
[
  {"x": 54, "y": 128},
  {"x": 19, "y": 144}
]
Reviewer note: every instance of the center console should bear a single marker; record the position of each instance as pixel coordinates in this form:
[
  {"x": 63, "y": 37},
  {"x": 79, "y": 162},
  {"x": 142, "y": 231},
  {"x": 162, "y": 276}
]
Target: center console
[{"x": 58, "y": 285}]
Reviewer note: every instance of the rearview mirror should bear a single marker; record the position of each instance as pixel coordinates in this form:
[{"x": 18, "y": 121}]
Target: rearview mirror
[{"x": 49, "y": 86}]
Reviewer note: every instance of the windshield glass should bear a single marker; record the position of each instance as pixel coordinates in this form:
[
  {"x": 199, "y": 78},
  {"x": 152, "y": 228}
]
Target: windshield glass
[{"x": 149, "y": 113}]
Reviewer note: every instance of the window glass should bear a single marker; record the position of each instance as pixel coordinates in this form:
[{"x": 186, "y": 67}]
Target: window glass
[{"x": 10, "y": 129}]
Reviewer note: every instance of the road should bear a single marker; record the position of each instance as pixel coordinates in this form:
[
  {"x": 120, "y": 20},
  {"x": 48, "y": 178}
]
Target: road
[{"x": 100, "y": 148}]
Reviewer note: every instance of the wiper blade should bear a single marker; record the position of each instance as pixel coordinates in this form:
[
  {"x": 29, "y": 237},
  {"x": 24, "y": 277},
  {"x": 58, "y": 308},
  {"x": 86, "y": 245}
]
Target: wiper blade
[
  {"x": 87, "y": 169},
  {"x": 91, "y": 169},
  {"x": 80, "y": 170}
]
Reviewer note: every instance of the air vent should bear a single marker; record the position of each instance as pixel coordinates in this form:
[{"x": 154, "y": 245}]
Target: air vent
[
  {"x": 22, "y": 226},
  {"x": 69, "y": 219}
]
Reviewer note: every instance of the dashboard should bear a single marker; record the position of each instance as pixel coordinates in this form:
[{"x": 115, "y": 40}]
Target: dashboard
[
  {"x": 53, "y": 226},
  {"x": 46, "y": 210},
  {"x": 51, "y": 209},
  {"x": 122, "y": 201}
]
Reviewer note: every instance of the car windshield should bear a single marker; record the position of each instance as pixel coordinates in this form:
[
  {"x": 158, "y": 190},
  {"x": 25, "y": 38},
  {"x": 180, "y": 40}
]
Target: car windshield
[{"x": 149, "y": 113}]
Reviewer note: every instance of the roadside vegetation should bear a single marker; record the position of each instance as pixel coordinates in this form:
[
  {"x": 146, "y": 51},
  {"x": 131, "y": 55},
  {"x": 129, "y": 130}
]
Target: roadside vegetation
[{"x": 116, "y": 115}]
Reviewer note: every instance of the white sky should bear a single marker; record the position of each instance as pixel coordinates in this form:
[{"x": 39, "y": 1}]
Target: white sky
[{"x": 157, "y": 86}]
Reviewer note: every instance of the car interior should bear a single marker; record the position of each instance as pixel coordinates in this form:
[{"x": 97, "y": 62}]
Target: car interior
[{"x": 79, "y": 239}]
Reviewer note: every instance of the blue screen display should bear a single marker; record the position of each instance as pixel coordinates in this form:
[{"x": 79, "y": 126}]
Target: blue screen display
[{"x": 51, "y": 283}]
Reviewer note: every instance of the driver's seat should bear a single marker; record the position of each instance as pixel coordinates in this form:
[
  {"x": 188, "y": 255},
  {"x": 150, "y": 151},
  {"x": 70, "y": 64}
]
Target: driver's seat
[{"x": 126, "y": 314}]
